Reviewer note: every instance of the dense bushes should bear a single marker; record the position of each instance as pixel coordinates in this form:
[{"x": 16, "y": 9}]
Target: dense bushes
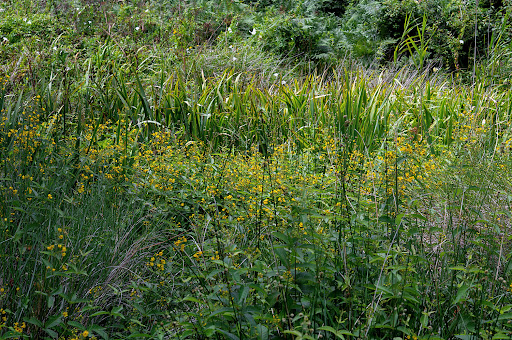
[
  {"x": 313, "y": 30},
  {"x": 372, "y": 29},
  {"x": 450, "y": 26}
]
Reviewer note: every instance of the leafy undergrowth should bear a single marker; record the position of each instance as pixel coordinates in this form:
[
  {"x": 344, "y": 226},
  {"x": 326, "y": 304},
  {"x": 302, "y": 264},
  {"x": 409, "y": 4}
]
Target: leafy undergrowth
[{"x": 169, "y": 239}]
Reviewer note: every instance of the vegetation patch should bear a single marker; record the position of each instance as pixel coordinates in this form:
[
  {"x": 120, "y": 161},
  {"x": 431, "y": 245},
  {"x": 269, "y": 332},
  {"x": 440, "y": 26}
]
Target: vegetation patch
[{"x": 229, "y": 170}]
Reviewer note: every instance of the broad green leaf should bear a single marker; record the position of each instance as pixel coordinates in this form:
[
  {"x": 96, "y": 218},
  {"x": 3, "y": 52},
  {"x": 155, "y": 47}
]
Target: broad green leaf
[
  {"x": 339, "y": 333},
  {"x": 461, "y": 294}
]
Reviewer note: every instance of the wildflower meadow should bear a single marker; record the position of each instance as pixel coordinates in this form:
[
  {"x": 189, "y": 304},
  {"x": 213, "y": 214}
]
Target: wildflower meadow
[{"x": 255, "y": 170}]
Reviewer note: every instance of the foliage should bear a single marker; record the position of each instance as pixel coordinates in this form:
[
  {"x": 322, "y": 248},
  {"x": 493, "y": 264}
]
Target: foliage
[
  {"x": 162, "y": 176},
  {"x": 453, "y": 27},
  {"x": 297, "y": 37}
]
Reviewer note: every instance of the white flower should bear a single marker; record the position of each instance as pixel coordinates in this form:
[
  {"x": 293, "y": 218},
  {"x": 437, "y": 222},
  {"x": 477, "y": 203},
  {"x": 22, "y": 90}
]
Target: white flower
[
  {"x": 231, "y": 46},
  {"x": 25, "y": 19},
  {"x": 253, "y": 32},
  {"x": 137, "y": 28},
  {"x": 283, "y": 82},
  {"x": 276, "y": 74},
  {"x": 230, "y": 30},
  {"x": 90, "y": 22},
  {"x": 55, "y": 48},
  {"x": 29, "y": 22},
  {"x": 461, "y": 42},
  {"x": 483, "y": 122},
  {"x": 2, "y": 9},
  {"x": 234, "y": 58},
  {"x": 5, "y": 39}
]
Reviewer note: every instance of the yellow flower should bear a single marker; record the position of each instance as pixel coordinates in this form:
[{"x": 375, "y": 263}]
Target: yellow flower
[
  {"x": 198, "y": 255},
  {"x": 85, "y": 334},
  {"x": 50, "y": 196}
]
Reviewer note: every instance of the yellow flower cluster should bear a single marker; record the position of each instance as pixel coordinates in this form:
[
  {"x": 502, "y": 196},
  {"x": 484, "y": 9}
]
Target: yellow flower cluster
[
  {"x": 180, "y": 243},
  {"x": 19, "y": 327},
  {"x": 198, "y": 255},
  {"x": 158, "y": 260},
  {"x": 3, "y": 317},
  {"x": 215, "y": 256},
  {"x": 96, "y": 291},
  {"x": 4, "y": 80}
]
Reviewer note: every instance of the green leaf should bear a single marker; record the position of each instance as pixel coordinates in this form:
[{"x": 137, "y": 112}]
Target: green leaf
[
  {"x": 458, "y": 268},
  {"x": 99, "y": 330},
  {"x": 258, "y": 288},
  {"x": 505, "y": 316},
  {"x": 100, "y": 313},
  {"x": 244, "y": 292},
  {"x": 137, "y": 322},
  {"x": 297, "y": 333},
  {"x": 417, "y": 216},
  {"x": 193, "y": 299},
  {"x": 398, "y": 219},
  {"x": 466, "y": 337},
  {"x": 340, "y": 334},
  {"x": 53, "y": 321},
  {"x": 51, "y": 301},
  {"x": 424, "y": 320},
  {"x": 210, "y": 331},
  {"x": 282, "y": 255},
  {"x": 139, "y": 335},
  {"x": 52, "y": 333},
  {"x": 505, "y": 309},
  {"x": 187, "y": 333},
  {"x": 34, "y": 322},
  {"x": 76, "y": 325},
  {"x": 116, "y": 312},
  {"x": 461, "y": 294},
  {"x": 229, "y": 335},
  {"x": 226, "y": 311},
  {"x": 10, "y": 335},
  {"x": 281, "y": 236},
  {"x": 262, "y": 331}
]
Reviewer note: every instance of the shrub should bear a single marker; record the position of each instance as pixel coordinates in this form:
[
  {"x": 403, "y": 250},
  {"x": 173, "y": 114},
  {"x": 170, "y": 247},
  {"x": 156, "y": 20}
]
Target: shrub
[
  {"x": 379, "y": 24},
  {"x": 306, "y": 38}
]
